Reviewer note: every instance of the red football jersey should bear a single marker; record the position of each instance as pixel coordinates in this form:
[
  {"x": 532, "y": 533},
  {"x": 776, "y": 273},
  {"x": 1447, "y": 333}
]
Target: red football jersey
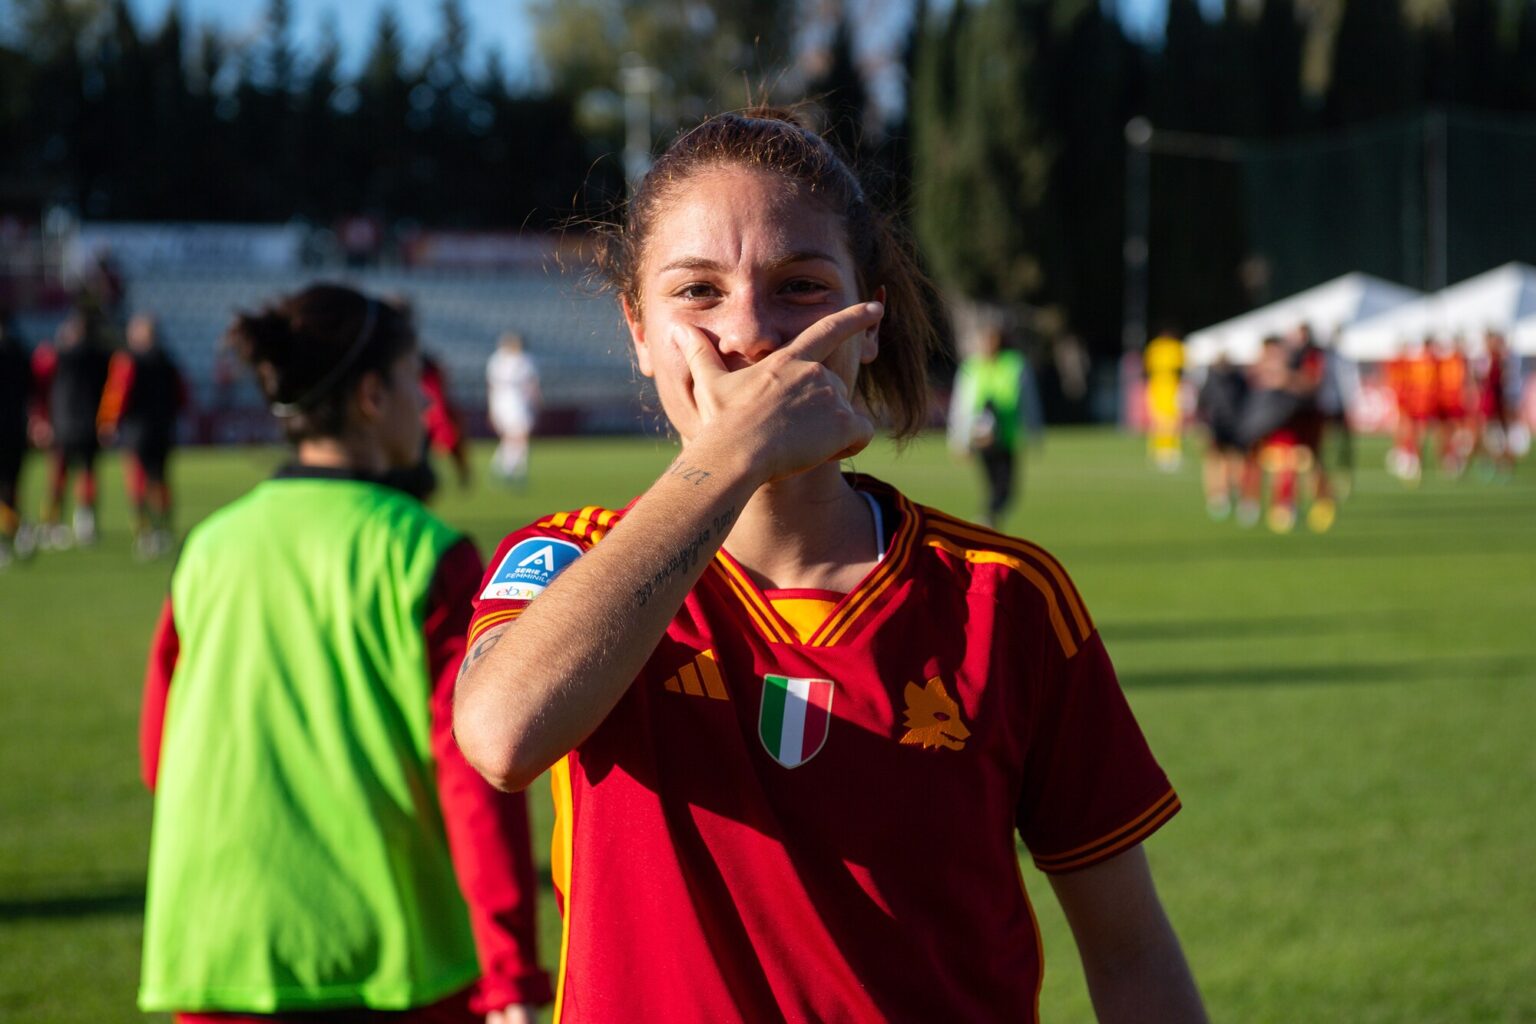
[{"x": 768, "y": 828}]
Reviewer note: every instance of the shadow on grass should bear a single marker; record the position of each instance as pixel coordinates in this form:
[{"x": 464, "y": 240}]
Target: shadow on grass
[
  {"x": 1508, "y": 511},
  {"x": 1421, "y": 670},
  {"x": 1306, "y": 625},
  {"x": 1253, "y": 547},
  {"x": 125, "y": 900}
]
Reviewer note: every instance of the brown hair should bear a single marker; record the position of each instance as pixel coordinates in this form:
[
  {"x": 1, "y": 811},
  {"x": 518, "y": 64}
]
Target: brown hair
[
  {"x": 895, "y": 385},
  {"x": 310, "y": 348}
]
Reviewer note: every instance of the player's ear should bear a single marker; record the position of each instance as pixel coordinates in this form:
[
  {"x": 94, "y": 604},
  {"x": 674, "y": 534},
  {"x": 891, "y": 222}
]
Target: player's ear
[
  {"x": 368, "y": 397},
  {"x": 869, "y": 341},
  {"x": 636, "y": 325}
]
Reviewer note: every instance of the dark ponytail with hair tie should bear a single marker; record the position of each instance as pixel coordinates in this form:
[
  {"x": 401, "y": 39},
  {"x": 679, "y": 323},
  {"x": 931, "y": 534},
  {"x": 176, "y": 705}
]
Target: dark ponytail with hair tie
[{"x": 310, "y": 348}]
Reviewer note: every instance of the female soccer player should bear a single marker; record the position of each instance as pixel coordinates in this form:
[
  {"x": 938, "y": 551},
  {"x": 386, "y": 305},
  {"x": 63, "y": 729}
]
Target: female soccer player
[
  {"x": 69, "y": 376},
  {"x": 145, "y": 395},
  {"x": 793, "y": 719},
  {"x": 512, "y": 394},
  {"x": 319, "y": 844}
]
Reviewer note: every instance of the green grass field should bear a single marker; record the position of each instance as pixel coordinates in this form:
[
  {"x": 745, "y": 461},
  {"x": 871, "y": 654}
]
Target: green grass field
[{"x": 1350, "y": 720}]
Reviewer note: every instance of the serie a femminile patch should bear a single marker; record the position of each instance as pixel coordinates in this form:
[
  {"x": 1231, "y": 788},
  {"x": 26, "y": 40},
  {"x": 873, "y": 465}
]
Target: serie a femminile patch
[{"x": 528, "y": 568}]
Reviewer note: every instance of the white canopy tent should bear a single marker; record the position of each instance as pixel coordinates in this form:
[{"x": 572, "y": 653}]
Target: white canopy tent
[
  {"x": 1523, "y": 338},
  {"x": 1502, "y": 299},
  {"x": 1327, "y": 307}
]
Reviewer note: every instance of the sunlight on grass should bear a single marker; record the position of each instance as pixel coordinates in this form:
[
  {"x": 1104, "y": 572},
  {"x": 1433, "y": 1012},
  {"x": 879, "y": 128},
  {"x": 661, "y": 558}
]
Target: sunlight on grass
[{"x": 1347, "y": 717}]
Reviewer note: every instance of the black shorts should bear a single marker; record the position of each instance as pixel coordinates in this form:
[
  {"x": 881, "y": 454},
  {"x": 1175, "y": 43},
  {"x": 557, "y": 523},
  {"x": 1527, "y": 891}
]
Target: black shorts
[
  {"x": 151, "y": 455},
  {"x": 1264, "y": 413},
  {"x": 78, "y": 451},
  {"x": 1225, "y": 437},
  {"x": 10, "y": 462}
]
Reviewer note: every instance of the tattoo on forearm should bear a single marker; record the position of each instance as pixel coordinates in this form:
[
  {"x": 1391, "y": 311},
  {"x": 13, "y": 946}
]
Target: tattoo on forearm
[
  {"x": 684, "y": 558},
  {"x": 689, "y": 472},
  {"x": 481, "y": 648}
]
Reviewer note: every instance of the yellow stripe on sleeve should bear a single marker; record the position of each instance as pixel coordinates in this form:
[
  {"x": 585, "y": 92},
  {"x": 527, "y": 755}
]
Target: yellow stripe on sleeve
[
  {"x": 962, "y": 530},
  {"x": 1029, "y": 572},
  {"x": 1123, "y": 838},
  {"x": 497, "y": 618},
  {"x": 560, "y": 856}
]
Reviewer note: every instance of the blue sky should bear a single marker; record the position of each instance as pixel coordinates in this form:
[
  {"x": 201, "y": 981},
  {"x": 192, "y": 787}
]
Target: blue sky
[
  {"x": 501, "y": 23},
  {"x": 504, "y": 24}
]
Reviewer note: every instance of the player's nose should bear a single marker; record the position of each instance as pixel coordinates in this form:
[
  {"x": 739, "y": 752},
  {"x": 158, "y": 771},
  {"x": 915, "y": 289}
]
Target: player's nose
[{"x": 748, "y": 330}]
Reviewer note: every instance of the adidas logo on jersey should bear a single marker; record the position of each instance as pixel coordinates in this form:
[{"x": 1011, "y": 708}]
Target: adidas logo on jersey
[{"x": 699, "y": 678}]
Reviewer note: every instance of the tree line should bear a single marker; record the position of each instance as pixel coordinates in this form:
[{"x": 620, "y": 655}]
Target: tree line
[
  {"x": 1018, "y": 119},
  {"x": 118, "y": 120},
  {"x": 1005, "y": 150}
]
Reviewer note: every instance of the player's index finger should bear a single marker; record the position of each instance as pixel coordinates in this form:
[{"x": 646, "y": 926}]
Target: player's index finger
[
  {"x": 822, "y": 338},
  {"x": 703, "y": 360}
]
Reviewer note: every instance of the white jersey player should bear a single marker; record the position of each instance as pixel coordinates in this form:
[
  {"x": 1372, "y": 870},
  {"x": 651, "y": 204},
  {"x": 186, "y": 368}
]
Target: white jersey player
[{"x": 512, "y": 387}]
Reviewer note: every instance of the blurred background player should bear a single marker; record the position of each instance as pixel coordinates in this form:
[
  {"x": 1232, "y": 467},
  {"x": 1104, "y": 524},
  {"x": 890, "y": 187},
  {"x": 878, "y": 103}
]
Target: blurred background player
[
  {"x": 15, "y": 400},
  {"x": 1402, "y": 458},
  {"x": 144, "y": 396},
  {"x": 70, "y": 375},
  {"x": 1267, "y": 408},
  {"x": 1297, "y": 446},
  {"x": 1417, "y": 407},
  {"x": 1163, "y": 360},
  {"x": 1337, "y": 391},
  {"x": 444, "y": 426},
  {"x": 991, "y": 411},
  {"x": 442, "y": 429},
  {"x": 512, "y": 389},
  {"x": 1492, "y": 419},
  {"x": 1282, "y": 428},
  {"x": 1220, "y": 407},
  {"x": 320, "y": 848},
  {"x": 1453, "y": 384}
]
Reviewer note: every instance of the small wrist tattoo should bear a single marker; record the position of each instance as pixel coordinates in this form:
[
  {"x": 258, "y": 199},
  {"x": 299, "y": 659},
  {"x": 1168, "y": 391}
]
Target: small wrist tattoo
[{"x": 688, "y": 471}]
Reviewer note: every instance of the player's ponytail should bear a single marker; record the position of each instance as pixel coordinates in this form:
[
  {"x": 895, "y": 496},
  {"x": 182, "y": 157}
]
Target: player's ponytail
[{"x": 309, "y": 349}]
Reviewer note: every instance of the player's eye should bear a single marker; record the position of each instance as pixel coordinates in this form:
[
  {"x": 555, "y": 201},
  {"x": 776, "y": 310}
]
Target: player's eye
[
  {"x": 696, "y": 290},
  {"x": 804, "y": 288}
]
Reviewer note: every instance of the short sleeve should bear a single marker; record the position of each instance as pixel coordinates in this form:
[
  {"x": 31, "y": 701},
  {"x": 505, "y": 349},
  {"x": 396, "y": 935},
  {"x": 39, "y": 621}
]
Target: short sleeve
[
  {"x": 1092, "y": 788},
  {"x": 525, "y": 563}
]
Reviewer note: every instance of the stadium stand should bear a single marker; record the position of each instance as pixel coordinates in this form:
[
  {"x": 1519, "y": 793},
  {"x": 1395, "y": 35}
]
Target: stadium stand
[{"x": 576, "y": 337}]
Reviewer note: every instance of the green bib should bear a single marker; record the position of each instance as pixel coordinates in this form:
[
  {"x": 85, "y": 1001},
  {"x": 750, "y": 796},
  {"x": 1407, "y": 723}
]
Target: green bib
[
  {"x": 298, "y": 858},
  {"x": 995, "y": 384}
]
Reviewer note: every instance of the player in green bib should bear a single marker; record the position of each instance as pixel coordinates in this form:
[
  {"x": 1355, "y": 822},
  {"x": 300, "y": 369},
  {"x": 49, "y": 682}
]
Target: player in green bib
[
  {"x": 319, "y": 843},
  {"x": 990, "y": 409}
]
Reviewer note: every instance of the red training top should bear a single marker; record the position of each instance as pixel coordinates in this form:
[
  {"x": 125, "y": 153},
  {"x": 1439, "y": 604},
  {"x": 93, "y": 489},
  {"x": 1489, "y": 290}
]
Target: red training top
[
  {"x": 1490, "y": 389},
  {"x": 445, "y": 431},
  {"x": 45, "y": 364},
  {"x": 775, "y": 824},
  {"x": 1451, "y": 380},
  {"x": 1420, "y": 376}
]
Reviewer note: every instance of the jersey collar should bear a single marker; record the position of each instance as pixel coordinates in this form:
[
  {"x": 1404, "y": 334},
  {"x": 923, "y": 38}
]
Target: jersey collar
[{"x": 854, "y": 606}]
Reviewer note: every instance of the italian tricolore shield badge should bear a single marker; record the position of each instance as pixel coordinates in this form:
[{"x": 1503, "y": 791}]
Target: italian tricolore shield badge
[{"x": 795, "y": 717}]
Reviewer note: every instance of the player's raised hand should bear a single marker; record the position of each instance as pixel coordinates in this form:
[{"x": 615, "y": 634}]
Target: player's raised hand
[
  {"x": 790, "y": 409},
  {"x": 819, "y": 341}
]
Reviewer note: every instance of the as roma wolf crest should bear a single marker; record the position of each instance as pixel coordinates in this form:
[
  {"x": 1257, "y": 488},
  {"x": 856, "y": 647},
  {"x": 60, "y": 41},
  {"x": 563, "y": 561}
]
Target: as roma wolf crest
[{"x": 933, "y": 717}]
